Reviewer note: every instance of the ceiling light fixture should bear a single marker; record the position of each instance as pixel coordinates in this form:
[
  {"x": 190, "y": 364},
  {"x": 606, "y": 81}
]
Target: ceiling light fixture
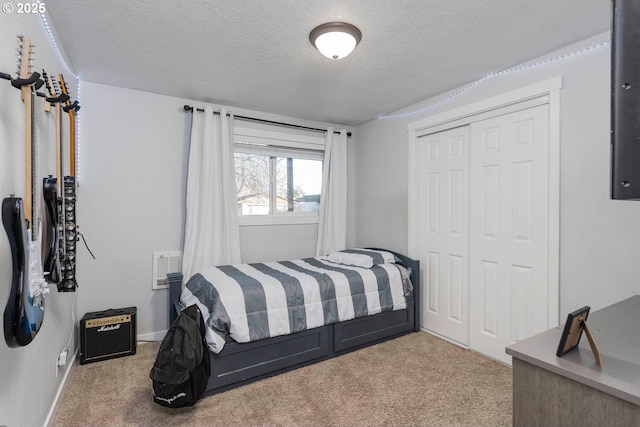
[{"x": 335, "y": 40}]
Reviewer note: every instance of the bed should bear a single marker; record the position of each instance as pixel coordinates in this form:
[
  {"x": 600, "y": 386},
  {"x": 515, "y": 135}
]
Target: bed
[{"x": 243, "y": 351}]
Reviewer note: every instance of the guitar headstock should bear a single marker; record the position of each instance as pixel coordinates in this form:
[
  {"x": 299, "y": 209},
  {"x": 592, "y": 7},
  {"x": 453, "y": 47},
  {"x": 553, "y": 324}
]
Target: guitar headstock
[
  {"x": 51, "y": 84},
  {"x": 53, "y": 95},
  {"x": 63, "y": 85},
  {"x": 70, "y": 107},
  {"x": 25, "y": 57}
]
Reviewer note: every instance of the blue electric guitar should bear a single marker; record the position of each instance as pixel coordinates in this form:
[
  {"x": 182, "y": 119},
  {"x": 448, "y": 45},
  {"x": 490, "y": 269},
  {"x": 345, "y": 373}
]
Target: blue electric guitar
[{"x": 24, "y": 312}]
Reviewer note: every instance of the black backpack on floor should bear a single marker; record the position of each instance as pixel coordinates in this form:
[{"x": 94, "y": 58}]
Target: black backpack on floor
[{"x": 181, "y": 370}]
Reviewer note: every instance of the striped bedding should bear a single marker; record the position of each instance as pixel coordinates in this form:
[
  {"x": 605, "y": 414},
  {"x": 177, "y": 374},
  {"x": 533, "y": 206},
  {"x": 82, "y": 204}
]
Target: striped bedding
[{"x": 248, "y": 302}]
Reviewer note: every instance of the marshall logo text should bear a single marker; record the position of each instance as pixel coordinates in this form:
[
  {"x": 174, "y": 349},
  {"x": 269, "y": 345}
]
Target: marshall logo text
[{"x": 108, "y": 328}]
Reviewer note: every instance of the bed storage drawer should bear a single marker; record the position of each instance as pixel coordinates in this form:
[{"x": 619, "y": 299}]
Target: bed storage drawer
[
  {"x": 365, "y": 330},
  {"x": 239, "y": 362}
]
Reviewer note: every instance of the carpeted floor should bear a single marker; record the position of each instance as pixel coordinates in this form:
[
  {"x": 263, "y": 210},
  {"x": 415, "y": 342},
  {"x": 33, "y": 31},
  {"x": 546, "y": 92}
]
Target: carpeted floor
[{"x": 415, "y": 380}]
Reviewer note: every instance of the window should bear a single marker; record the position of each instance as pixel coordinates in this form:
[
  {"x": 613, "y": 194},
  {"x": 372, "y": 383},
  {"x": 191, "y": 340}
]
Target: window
[{"x": 277, "y": 177}]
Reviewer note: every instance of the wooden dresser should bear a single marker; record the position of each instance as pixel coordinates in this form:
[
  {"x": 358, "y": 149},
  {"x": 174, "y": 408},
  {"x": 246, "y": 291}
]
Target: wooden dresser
[{"x": 573, "y": 390}]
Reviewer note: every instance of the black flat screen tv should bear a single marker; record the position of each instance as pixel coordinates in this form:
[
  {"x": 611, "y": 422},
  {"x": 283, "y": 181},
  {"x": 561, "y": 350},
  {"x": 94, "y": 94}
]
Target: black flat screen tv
[{"x": 625, "y": 100}]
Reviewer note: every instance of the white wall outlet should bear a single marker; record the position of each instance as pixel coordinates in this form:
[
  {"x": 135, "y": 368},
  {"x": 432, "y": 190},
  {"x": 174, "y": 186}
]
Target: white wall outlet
[{"x": 62, "y": 358}]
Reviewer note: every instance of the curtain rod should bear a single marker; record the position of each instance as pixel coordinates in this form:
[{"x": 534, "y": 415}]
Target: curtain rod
[{"x": 253, "y": 119}]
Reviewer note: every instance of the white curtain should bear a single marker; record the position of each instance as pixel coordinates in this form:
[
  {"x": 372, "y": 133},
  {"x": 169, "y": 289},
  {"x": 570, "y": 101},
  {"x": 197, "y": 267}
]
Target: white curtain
[
  {"x": 211, "y": 230},
  {"x": 332, "y": 221}
]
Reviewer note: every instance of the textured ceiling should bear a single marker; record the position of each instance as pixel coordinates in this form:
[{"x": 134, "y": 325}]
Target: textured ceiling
[{"x": 256, "y": 54}]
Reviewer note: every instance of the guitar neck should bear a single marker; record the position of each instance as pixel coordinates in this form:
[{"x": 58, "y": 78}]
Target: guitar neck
[
  {"x": 29, "y": 199},
  {"x": 72, "y": 144},
  {"x": 71, "y": 109},
  {"x": 59, "y": 157}
]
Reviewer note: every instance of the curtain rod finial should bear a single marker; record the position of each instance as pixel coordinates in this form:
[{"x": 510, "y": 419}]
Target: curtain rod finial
[{"x": 187, "y": 107}]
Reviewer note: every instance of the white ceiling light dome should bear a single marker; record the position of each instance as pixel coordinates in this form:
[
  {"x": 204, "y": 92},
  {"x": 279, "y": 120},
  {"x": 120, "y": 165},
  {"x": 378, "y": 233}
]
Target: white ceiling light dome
[{"x": 335, "y": 40}]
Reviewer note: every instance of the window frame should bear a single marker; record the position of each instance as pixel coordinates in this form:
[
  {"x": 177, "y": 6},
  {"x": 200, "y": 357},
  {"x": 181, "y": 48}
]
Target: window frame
[{"x": 276, "y": 144}]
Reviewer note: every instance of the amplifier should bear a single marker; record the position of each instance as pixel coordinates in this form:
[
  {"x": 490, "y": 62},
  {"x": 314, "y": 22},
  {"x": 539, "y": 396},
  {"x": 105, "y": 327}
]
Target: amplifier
[{"x": 107, "y": 334}]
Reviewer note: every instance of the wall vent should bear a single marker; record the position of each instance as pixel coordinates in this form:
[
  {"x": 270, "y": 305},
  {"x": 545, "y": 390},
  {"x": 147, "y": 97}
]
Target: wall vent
[{"x": 163, "y": 264}]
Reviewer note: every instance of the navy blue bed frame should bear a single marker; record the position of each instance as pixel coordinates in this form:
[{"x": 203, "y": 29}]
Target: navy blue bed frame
[{"x": 242, "y": 363}]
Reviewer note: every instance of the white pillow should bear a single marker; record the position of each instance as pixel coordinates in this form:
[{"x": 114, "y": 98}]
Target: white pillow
[{"x": 365, "y": 258}]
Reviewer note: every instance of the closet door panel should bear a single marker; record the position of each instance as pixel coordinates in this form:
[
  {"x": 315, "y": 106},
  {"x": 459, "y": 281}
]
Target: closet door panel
[
  {"x": 442, "y": 227},
  {"x": 508, "y": 229}
]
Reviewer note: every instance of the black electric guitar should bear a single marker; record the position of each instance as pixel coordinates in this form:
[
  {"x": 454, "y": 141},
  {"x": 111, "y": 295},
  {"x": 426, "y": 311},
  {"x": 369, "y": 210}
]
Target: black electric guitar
[
  {"x": 50, "y": 245},
  {"x": 51, "y": 191},
  {"x": 24, "y": 312},
  {"x": 69, "y": 283}
]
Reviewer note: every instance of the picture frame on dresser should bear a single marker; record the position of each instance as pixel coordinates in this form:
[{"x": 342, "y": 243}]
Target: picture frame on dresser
[
  {"x": 572, "y": 331},
  {"x": 573, "y": 328}
]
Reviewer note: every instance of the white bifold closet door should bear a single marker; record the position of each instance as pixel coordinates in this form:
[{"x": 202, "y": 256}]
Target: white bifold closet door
[
  {"x": 508, "y": 245},
  {"x": 484, "y": 230},
  {"x": 443, "y": 225}
]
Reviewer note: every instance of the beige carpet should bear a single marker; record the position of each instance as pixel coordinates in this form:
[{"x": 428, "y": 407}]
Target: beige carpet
[{"x": 415, "y": 380}]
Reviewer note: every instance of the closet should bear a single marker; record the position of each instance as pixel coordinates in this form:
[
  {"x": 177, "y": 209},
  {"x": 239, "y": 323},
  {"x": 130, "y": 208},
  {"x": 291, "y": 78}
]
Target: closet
[{"x": 483, "y": 224}]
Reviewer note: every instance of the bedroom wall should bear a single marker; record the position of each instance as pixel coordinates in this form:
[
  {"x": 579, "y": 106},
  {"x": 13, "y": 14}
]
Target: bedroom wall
[
  {"x": 599, "y": 237},
  {"x": 133, "y": 159},
  {"x": 28, "y": 374}
]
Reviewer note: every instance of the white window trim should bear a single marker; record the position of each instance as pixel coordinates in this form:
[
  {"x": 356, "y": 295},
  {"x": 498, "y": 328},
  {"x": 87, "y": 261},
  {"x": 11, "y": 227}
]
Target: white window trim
[
  {"x": 281, "y": 139},
  {"x": 278, "y": 219},
  {"x": 271, "y": 151}
]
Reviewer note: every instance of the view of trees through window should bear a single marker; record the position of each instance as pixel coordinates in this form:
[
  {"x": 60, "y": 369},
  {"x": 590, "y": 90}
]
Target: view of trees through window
[{"x": 269, "y": 184}]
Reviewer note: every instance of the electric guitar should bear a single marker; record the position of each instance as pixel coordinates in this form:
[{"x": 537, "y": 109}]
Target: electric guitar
[
  {"x": 52, "y": 189},
  {"x": 69, "y": 283},
  {"x": 51, "y": 261},
  {"x": 24, "y": 312}
]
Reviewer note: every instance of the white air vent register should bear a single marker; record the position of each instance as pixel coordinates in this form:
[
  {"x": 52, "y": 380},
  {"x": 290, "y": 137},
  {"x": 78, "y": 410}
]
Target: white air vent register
[{"x": 163, "y": 264}]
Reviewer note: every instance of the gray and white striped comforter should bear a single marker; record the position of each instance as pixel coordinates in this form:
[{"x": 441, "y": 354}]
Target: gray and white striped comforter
[{"x": 249, "y": 302}]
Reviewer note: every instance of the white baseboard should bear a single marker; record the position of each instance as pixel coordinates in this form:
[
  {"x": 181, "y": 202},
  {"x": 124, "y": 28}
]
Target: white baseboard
[
  {"x": 63, "y": 383},
  {"x": 435, "y": 334},
  {"x": 152, "y": 336}
]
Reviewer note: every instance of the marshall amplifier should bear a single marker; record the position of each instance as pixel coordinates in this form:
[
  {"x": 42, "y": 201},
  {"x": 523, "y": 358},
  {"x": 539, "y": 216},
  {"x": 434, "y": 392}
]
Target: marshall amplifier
[{"x": 107, "y": 334}]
